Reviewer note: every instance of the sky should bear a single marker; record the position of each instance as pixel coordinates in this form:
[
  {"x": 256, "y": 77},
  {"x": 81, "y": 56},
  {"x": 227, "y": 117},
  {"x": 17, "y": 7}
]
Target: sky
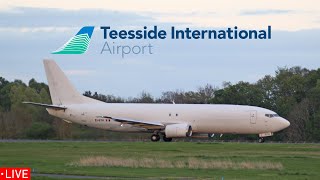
[{"x": 31, "y": 30}]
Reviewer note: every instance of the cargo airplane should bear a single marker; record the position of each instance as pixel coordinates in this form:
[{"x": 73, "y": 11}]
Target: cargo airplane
[{"x": 161, "y": 120}]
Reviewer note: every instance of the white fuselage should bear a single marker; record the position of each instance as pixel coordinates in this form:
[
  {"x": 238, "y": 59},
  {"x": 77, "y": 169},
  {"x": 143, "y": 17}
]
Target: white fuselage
[{"x": 236, "y": 119}]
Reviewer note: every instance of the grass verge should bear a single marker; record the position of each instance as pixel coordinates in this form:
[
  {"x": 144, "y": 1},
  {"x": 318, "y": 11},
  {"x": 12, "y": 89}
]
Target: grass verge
[{"x": 166, "y": 160}]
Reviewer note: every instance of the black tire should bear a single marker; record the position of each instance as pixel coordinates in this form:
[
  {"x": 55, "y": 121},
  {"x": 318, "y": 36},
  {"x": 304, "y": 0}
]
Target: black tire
[
  {"x": 165, "y": 139},
  {"x": 155, "y": 137},
  {"x": 261, "y": 140}
]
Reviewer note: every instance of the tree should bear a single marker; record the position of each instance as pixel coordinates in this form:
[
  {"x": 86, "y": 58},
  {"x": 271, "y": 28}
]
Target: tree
[
  {"x": 40, "y": 130},
  {"x": 144, "y": 97},
  {"x": 38, "y": 86}
]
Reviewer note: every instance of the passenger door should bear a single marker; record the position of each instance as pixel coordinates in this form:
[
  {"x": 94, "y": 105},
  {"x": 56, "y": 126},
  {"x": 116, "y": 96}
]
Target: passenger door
[{"x": 253, "y": 117}]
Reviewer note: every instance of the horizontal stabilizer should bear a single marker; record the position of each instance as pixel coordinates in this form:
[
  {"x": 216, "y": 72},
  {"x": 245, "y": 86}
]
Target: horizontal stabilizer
[{"x": 47, "y": 105}]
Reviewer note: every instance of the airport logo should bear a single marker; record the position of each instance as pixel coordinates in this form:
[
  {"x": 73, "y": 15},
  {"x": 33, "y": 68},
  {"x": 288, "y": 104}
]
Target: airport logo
[{"x": 78, "y": 44}]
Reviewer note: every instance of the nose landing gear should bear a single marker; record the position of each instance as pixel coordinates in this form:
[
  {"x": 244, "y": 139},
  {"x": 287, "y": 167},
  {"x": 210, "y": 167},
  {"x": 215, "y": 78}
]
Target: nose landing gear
[{"x": 263, "y": 135}]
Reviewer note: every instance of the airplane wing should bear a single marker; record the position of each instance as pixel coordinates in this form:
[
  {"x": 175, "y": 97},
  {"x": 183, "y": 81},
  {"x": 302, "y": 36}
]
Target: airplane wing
[
  {"x": 137, "y": 123},
  {"x": 47, "y": 105}
]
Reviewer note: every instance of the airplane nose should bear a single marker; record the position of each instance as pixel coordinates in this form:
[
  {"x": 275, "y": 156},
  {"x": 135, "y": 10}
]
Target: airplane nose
[{"x": 284, "y": 123}]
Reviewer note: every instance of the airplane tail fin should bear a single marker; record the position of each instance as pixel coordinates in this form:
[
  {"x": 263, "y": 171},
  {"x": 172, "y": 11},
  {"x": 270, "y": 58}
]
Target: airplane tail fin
[{"x": 61, "y": 90}]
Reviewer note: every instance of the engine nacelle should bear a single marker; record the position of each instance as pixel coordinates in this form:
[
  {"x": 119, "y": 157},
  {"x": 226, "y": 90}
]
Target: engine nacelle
[{"x": 178, "y": 130}]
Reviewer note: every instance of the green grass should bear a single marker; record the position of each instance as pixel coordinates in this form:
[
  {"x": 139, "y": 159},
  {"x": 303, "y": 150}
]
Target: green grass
[{"x": 300, "y": 161}]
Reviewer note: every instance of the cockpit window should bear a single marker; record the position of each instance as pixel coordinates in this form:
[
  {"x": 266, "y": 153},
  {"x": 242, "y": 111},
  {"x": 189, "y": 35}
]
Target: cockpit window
[{"x": 271, "y": 115}]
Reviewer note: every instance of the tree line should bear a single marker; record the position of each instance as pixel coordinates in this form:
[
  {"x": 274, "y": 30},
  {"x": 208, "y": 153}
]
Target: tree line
[{"x": 294, "y": 93}]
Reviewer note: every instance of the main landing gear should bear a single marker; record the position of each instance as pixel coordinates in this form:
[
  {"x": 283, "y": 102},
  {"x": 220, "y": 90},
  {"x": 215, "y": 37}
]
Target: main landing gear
[
  {"x": 156, "y": 137},
  {"x": 165, "y": 139},
  {"x": 261, "y": 140}
]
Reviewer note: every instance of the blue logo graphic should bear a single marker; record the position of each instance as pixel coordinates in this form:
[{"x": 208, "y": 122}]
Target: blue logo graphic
[{"x": 78, "y": 44}]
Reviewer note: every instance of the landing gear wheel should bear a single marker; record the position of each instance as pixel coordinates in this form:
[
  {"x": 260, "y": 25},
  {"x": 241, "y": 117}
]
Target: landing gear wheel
[
  {"x": 261, "y": 140},
  {"x": 155, "y": 137},
  {"x": 165, "y": 139}
]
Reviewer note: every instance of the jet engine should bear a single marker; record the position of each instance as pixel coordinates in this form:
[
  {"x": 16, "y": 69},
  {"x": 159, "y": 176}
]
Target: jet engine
[{"x": 178, "y": 130}]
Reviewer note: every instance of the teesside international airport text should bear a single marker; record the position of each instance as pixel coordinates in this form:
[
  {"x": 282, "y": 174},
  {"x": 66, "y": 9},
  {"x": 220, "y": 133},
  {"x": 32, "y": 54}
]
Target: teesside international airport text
[{"x": 187, "y": 33}]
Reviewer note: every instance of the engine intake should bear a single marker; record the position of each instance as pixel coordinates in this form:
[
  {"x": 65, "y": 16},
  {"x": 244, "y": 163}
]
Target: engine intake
[{"x": 178, "y": 130}]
